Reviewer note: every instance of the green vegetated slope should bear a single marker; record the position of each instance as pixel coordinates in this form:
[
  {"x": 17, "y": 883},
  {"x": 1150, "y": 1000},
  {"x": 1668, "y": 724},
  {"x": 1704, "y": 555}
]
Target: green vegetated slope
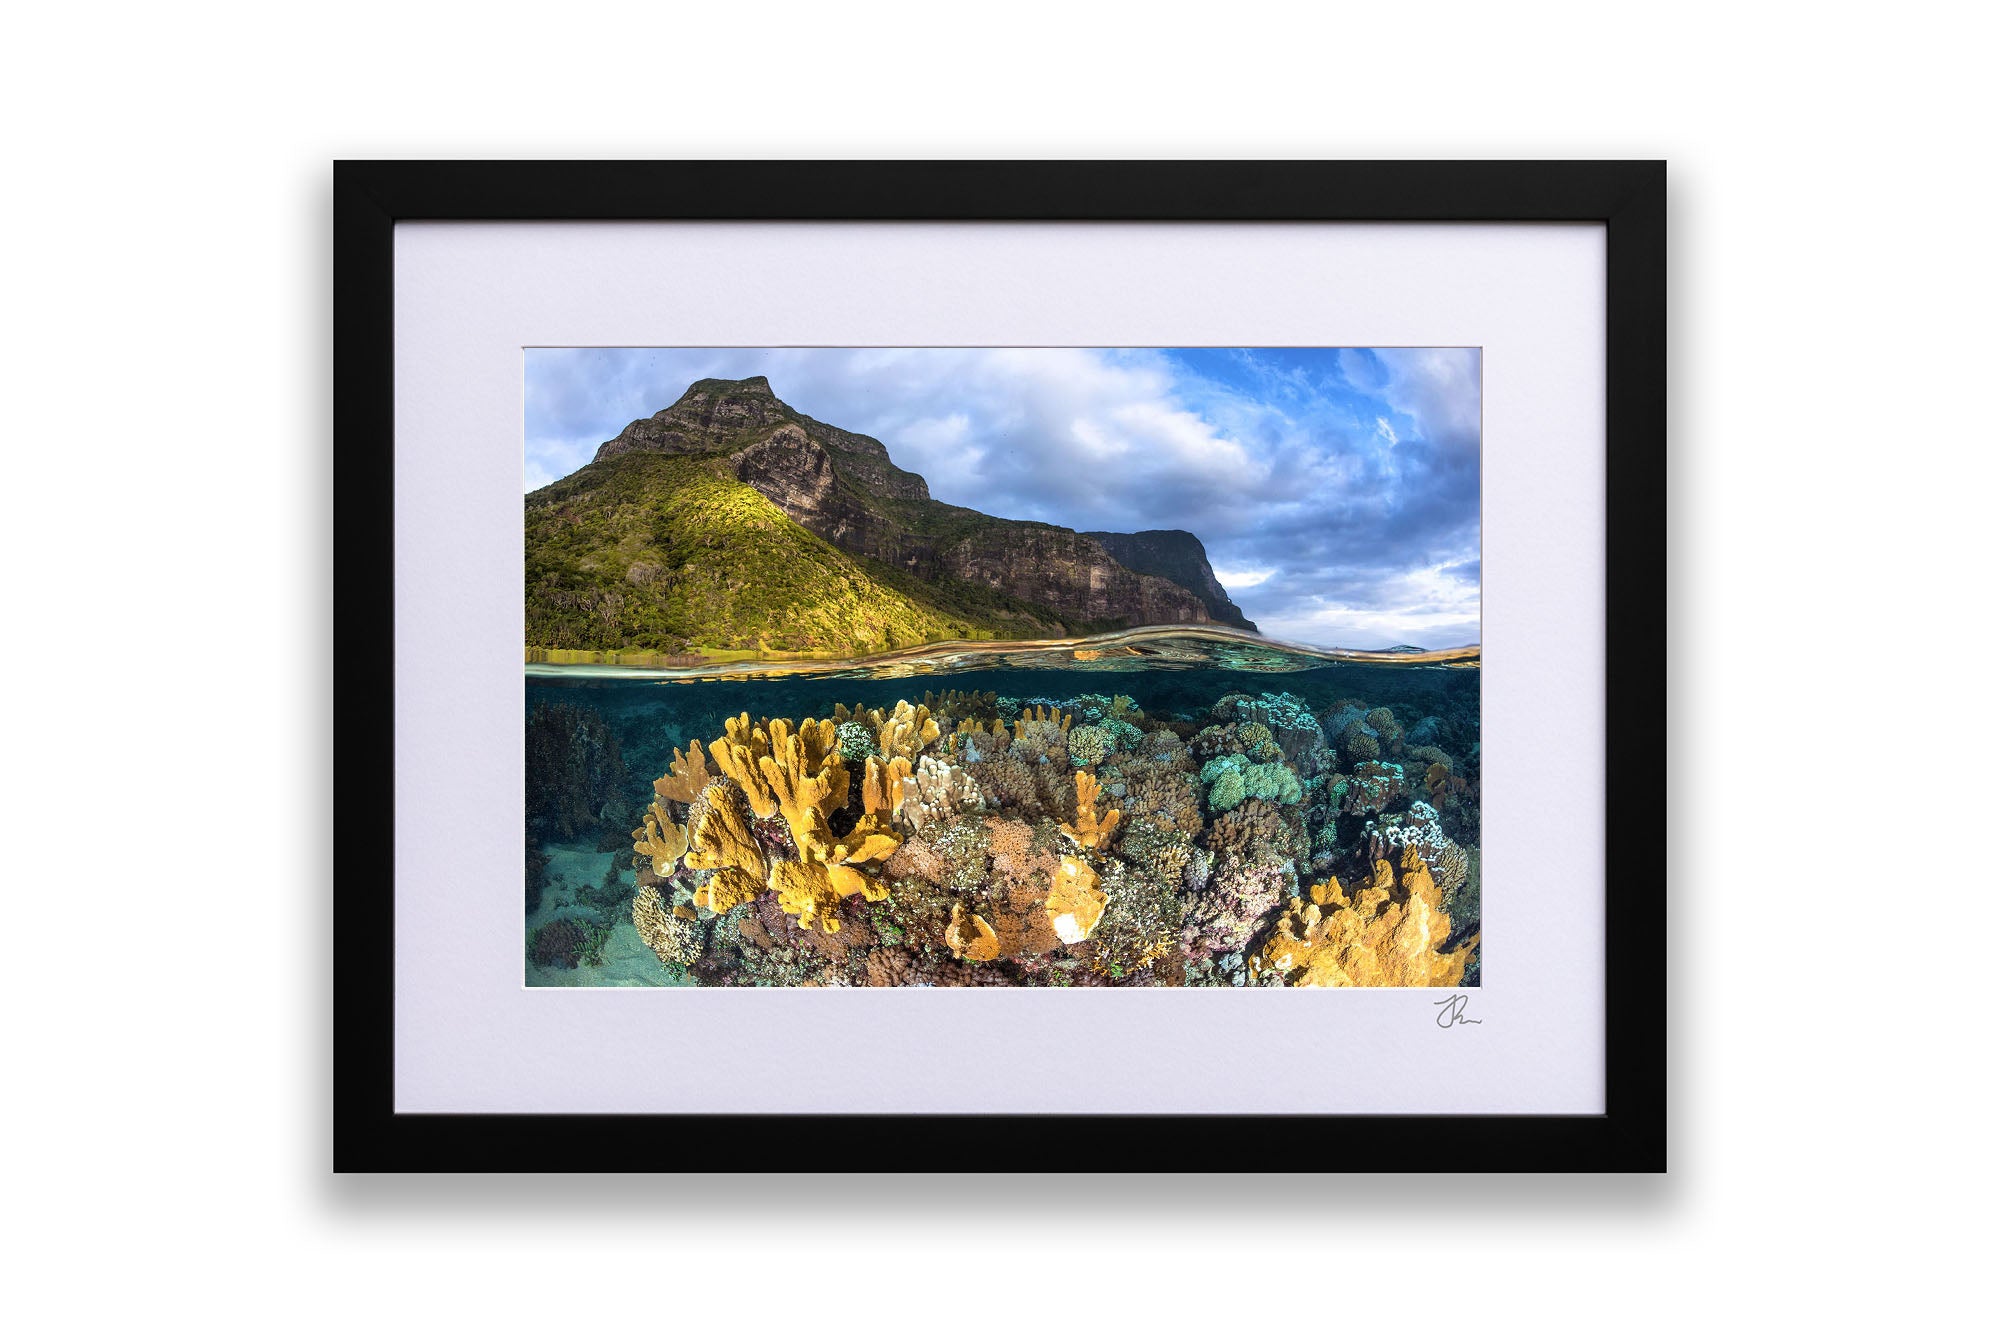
[{"x": 672, "y": 554}]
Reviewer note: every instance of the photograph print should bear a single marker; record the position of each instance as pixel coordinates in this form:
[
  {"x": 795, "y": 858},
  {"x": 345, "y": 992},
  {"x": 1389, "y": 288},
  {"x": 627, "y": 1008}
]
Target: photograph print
[{"x": 1002, "y": 666}]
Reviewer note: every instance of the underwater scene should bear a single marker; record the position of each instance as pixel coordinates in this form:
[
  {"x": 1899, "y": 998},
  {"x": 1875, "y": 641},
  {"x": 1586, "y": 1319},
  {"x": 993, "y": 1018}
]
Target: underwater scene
[
  {"x": 1173, "y": 816},
  {"x": 1005, "y": 666}
]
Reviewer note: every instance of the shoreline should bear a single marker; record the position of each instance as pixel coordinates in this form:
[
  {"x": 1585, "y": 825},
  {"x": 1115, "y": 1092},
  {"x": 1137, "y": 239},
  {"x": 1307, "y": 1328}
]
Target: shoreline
[{"x": 1154, "y": 645}]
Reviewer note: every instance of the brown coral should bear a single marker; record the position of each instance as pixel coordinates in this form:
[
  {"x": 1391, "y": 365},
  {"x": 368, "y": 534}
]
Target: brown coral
[
  {"x": 1169, "y": 799},
  {"x": 1385, "y": 933},
  {"x": 1090, "y": 829},
  {"x": 939, "y": 790},
  {"x": 1008, "y": 783},
  {"x": 671, "y": 936}
]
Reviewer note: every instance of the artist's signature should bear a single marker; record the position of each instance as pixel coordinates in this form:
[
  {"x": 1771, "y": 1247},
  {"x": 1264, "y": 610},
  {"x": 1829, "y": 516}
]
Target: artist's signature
[{"x": 1451, "y": 1011}]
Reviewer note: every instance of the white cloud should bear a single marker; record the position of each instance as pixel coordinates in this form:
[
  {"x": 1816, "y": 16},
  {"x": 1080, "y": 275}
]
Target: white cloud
[{"x": 1236, "y": 579}]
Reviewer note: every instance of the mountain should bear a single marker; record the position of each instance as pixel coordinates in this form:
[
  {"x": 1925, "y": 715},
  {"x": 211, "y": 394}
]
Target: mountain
[
  {"x": 730, "y": 521},
  {"x": 1177, "y": 556}
]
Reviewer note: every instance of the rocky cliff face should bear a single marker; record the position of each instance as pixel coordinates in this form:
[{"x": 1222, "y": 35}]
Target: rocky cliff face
[
  {"x": 1170, "y": 553},
  {"x": 716, "y": 415},
  {"x": 844, "y": 488}
]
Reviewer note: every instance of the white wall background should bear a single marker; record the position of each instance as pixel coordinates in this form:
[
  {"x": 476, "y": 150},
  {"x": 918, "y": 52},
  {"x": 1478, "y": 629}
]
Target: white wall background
[{"x": 167, "y": 332}]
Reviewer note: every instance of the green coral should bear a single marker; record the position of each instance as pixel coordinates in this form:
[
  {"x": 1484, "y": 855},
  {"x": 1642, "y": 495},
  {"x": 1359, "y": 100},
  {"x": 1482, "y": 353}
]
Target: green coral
[
  {"x": 1123, "y": 734},
  {"x": 1089, "y": 745},
  {"x": 1232, "y": 779},
  {"x": 855, "y": 740},
  {"x": 1272, "y": 782}
]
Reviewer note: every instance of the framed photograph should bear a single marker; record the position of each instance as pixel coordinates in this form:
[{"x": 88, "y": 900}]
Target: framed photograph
[{"x": 972, "y": 655}]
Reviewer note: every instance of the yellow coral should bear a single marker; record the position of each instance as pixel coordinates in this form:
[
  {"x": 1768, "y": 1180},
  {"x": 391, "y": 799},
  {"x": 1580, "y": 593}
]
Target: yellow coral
[
  {"x": 812, "y": 890},
  {"x": 969, "y": 937},
  {"x": 806, "y": 777},
  {"x": 660, "y": 839},
  {"x": 807, "y": 781},
  {"x": 903, "y": 732},
  {"x": 884, "y": 784},
  {"x": 720, "y": 841},
  {"x": 1040, "y": 716},
  {"x": 907, "y": 730},
  {"x": 737, "y": 752},
  {"x": 1075, "y": 904},
  {"x": 1369, "y": 937},
  {"x": 1089, "y": 830},
  {"x": 685, "y": 777}
]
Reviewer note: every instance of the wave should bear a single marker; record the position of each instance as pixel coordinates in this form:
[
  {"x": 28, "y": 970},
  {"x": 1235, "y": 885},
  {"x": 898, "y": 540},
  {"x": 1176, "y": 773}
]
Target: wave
[{"x": 1153, "y": 647}]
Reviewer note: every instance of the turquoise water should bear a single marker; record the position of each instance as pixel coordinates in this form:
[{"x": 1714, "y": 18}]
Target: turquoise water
[{"x": 1244, "y": 775}]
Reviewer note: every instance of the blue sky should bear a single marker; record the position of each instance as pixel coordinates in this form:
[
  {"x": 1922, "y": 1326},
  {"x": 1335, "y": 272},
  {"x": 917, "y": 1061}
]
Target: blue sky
[{"x": 1336, "y": 489}]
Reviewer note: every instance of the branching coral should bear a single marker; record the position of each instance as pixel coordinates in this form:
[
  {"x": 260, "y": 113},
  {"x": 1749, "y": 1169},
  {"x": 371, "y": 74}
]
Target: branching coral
[
  {"x": 981, "y": 705},
  {"x": 903, "y": 732},
  {"x": 805, "y": 776},
  {"x": 1041, "y": 735},
  {"x": 940, "y": 790},
  {"x": 1089, "y": 744},
  {"x": 1090, "y": 829},
  {"x": 885, "y": 786},
  {"x": 1075, "y": 903},
  {"x": 811, "y": 890},
  {"x": 659, "y": 840},
  {"x": 1008, "y": 783},
  {"x": 907, "y": 731},
  {"x": 672, "y": 937},
  {"x": 685, "y": 778},
  {"x": 720, "y": 842},
  {"x": 1385, "y": 933}
]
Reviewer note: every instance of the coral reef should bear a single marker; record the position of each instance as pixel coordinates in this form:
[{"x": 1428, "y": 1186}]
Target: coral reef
[
  {"x": 1372, "y": 786},
  {"x": 677, "y": 939},
  {"x": 1090, "y": 829},
  {"x": 1089, "y": 745},
  {"x": 660, "y": 841},
  {"x": 1081, "y": 842},
  {"x": 970, "y": 937},
  {"x": 560, "y": 943},
  {"x": 1075, "y": 905},
  {"x": 1387, "y": 932}
]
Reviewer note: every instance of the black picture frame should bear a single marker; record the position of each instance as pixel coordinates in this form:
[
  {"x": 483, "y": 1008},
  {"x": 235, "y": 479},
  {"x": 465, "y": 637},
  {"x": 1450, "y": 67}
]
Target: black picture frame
[{"x": 1627, "y": 197}]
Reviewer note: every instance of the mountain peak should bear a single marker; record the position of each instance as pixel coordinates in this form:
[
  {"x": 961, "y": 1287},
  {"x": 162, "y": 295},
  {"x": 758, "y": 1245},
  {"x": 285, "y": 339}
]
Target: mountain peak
[{"x": 756, "y": 384}]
